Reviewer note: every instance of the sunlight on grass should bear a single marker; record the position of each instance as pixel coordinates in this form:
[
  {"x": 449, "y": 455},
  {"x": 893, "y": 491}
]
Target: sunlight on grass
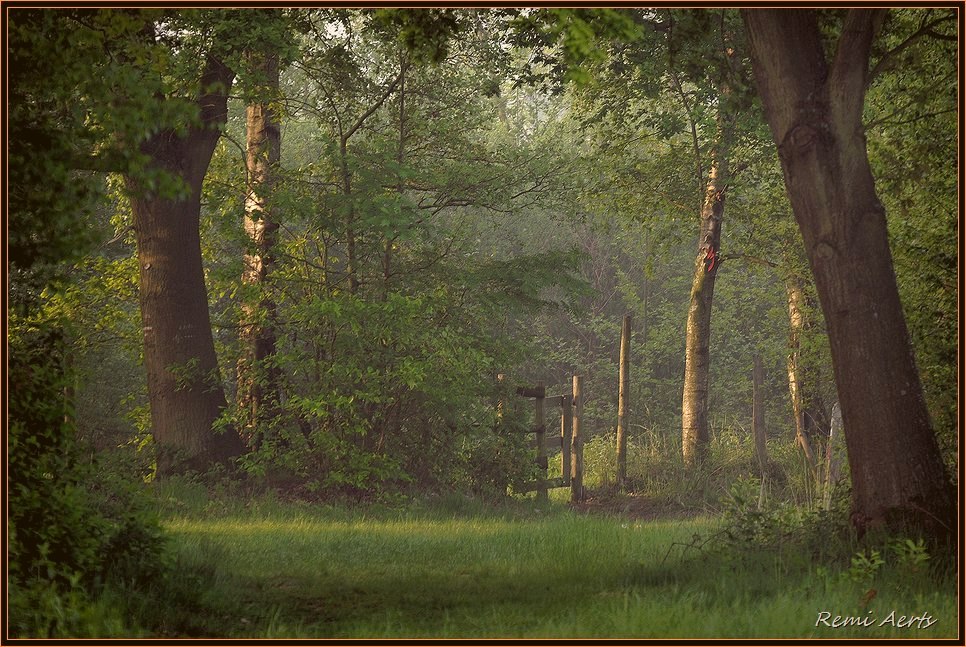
[{"x": 281, "y": 572}]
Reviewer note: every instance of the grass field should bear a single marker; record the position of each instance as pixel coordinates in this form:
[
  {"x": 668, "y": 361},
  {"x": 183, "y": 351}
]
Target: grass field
[{"x": 262, "y": 568}]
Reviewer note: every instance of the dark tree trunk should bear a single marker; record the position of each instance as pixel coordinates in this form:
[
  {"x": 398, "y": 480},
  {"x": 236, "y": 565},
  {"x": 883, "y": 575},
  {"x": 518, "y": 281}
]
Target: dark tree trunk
[
  {"x": 814, "y": 110},
  {"x": 184, "y": 384},
  {"x": 258, "y": 389}
]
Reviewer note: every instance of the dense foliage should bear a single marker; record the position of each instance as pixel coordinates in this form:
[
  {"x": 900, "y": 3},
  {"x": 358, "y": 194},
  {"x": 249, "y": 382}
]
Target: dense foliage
[
  {"x": 461, "y": 195},
  {"x": 74, "y": 526}
]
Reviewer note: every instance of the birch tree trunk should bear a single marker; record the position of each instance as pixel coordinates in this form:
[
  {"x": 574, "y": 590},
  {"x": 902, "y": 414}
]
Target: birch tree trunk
[
  {"x": 697, "y": 361},
  {"x": 257, "y": 379},
  {"x": 796, "y": 387}
]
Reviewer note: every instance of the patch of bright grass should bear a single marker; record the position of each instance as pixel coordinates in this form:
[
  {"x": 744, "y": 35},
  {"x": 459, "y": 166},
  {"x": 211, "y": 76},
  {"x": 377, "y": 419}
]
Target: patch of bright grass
[{"x": 268, "y": 569}]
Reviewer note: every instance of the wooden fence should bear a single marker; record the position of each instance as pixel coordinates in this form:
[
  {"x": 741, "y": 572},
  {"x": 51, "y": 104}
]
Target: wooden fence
[{"x": 570, "y": 440}]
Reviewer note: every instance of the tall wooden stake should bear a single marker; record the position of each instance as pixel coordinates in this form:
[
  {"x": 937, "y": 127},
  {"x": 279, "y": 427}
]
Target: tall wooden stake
[
  {"x": 622, "y": 394},
  {"x": 566, "y": 433},
  {"x": 577, "y": 447},
  {"x": 541, "y": 429}
]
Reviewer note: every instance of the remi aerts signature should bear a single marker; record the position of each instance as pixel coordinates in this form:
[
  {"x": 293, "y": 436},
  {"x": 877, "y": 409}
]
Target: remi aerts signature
[{"x": 894, "y": 619}]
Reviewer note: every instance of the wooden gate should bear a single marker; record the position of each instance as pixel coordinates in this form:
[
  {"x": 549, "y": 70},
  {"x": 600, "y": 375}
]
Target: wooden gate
[{"x": 570, "y": 440}]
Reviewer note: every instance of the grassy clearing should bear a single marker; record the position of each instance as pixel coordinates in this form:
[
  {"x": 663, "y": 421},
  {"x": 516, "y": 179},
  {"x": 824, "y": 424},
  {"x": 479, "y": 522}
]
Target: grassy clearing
[{"x": 267, "y": 569}]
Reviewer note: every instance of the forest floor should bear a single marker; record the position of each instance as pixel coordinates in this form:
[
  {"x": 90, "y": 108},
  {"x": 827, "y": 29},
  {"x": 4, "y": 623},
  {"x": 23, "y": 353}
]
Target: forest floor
[{"x": 613, "y": 567}]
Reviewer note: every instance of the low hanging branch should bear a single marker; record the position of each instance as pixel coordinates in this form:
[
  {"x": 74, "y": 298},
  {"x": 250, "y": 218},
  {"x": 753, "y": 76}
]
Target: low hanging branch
[
  {"x": 721, "y": 258},
  {"x": 378, "y": 104}
]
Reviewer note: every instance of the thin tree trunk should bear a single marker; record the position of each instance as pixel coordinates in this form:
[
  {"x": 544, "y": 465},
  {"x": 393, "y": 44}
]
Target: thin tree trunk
[
  {"x": 184, "y": 385},
  {"x": 814, "y": 110},
  {"x": 622, "y": 395},
  {"x": 697, "y": 364},
  {"x": 390, "y": 239},
  {"x": 258, "y": 389},
  {"x": 833, "y": 472},
  {"x": 796, "y": 324},
  {"x": 352, "y": 255},
  {"x": 758, "y": 416},
  {"x": 352, "y": 262}
]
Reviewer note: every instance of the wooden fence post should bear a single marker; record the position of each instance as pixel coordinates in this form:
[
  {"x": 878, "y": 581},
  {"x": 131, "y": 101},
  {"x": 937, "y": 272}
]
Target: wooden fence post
[
  {"x": 499, "y": 403},
  {"x": 541, "y": 428},
  {"x": 577, "y": 447},
  {"x": 622, "y": 393},
  {"x": 566, "y": 433}
]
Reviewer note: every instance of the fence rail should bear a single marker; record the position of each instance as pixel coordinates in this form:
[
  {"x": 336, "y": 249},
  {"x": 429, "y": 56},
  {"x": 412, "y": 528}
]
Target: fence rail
[{"x": 569, "y": 440}]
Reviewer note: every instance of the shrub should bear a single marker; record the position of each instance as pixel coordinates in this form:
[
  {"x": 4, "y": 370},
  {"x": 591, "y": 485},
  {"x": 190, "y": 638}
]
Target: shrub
[{"x": 74, "y": 528}]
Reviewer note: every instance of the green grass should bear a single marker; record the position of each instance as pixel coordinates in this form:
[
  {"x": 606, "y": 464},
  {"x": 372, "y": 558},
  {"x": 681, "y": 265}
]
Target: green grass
[{"x": 268, "y": 569}]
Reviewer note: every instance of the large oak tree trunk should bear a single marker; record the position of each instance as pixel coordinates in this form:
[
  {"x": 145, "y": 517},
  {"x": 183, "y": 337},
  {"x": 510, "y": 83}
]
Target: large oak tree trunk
[
  {"x": 184, "y": 385},
  {"x": 814, "y": 110},
  {"x": 258, "y": 389},
  {"x": 697, "y": 353}
]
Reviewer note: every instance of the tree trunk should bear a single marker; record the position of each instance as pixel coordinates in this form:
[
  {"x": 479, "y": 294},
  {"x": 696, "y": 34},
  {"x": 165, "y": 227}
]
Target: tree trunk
[
  {"x": 352, "y": 236},
  {"x": 184, "y": 384},
  {"x": 697, "y": 364},
  {"x": 815, "y": 113},
  {"x": 796, "y": 324},
  {"x": 622, "y": 395},
  {"x": 389, "y": 241},
  {"x": 758, "y": 416},
  {"x": 257, "y": 379},
  {"x": 833, "y": 468}
]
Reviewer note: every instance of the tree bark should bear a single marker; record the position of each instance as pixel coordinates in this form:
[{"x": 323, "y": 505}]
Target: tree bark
[
  {"x": 758, "y": 416},
  {"x": 697, "y": 353},
  {"x": 258, "y": 389},
  {"x": 814, "y": 110},
  {"x": 622, "y": 395},
  {"x": 352, "y": 236},
  {"x": 796, "y": 387},
  {"x": 184, "y": 384},
  {"x": 390, "y": 239}
]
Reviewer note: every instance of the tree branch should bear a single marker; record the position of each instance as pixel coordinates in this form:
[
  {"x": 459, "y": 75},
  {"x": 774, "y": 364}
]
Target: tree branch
[
  {"x": 849, "y": 71},
  {"x": 216, "y": 82},
  {"x": 676, "y": 81},
  {"x": 751, "y": 259},
  {"x": 372, "y": 109},
  {"x": 927, "y": 29}
]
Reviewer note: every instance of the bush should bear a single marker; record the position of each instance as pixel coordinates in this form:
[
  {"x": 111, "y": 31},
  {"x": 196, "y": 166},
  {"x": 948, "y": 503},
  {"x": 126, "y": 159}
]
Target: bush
[
  {"x": 408, "y": 407},
  {"x": 756, "y": 523},
  {"x": 74, "y": 528}
]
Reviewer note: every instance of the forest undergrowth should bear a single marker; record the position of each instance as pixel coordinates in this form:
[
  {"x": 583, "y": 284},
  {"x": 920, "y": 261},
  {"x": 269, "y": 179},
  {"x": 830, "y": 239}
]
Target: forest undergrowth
[{"x": 247, "y": 563}]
